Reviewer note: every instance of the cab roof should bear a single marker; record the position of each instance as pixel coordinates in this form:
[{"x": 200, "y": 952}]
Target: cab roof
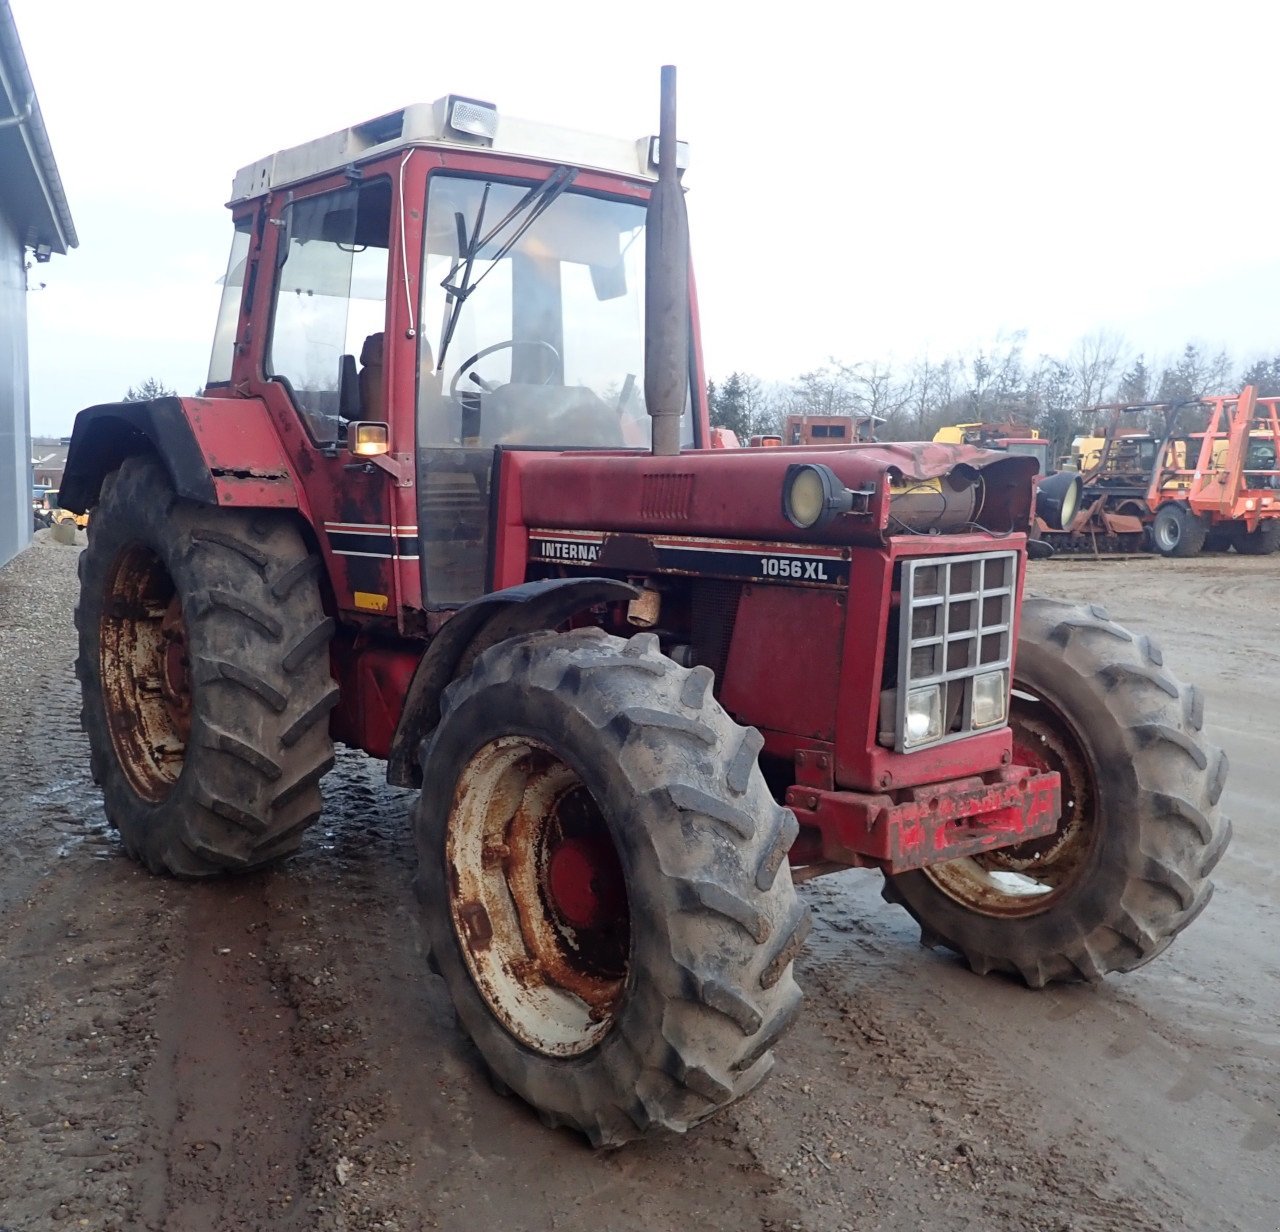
[{"x": 428, "y": 124}]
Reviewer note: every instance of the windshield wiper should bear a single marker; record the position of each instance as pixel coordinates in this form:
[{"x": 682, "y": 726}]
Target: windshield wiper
[{"x": 532, "y": 205}]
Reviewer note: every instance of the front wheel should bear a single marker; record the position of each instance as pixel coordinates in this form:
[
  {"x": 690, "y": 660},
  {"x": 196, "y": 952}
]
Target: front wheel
[
  {"x": 1177, "y": 531},
  {"x": 1127, "y": 869},
  {"x": 604, "y": 883}
]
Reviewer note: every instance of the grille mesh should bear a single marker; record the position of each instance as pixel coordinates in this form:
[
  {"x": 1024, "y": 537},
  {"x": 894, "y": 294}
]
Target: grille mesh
[
  {"x": 956, "y": 623},
  {"x": 715, "y": 609}
]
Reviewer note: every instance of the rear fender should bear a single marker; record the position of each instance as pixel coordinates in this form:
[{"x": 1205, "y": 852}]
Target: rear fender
[
  {"x": 474, "y": 628},
  {"x": 218, "y": 451}
]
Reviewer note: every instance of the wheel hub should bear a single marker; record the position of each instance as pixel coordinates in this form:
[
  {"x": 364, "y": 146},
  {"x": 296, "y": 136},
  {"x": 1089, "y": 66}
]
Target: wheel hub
[
  {"x": 584, "y": 881},
  {"x": 146, "y": 689},
  {"x": 538, "y": 896},
  {"x": 1027, "y": 878}
]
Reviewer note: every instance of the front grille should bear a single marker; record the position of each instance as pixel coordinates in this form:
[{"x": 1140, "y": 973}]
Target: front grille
[{"x": 955, "y": 623}]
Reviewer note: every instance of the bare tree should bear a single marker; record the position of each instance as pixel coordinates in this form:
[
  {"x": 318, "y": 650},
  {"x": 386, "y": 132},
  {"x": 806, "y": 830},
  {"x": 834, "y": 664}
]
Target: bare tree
[
  {"x": 997, "y": 381},
  {"x": 826, "y": 391},
  {"x": 929, "y": 391},
  {"x": 1094, "y": 363},
  {"x": 877, "y": 392}
]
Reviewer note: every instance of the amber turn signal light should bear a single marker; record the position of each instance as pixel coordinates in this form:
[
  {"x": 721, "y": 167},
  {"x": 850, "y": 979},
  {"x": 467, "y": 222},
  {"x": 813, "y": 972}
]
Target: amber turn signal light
[{"x": 367, "y": 439}]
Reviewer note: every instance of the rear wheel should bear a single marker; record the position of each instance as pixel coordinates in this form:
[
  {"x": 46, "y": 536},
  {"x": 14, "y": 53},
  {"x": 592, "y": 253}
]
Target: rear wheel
[
  {"x": 204, "y": 675},
  {"x": 1128, "y": 866},
  {"x": 604, "y": 883},
  {"x": 1261, "y": 542},
  {"x": 1177, "y": 531}
]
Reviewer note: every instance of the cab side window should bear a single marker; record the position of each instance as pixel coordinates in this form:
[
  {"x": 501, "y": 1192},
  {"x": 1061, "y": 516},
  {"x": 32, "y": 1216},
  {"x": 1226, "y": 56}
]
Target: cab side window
[{"x": 330, "y": 296}]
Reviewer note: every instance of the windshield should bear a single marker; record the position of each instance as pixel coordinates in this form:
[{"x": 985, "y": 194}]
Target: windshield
[{"x": 534, "y": 295}]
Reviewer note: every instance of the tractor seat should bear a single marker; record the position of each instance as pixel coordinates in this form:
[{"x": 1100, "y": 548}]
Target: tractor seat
[{"x": 372, "y": 404}]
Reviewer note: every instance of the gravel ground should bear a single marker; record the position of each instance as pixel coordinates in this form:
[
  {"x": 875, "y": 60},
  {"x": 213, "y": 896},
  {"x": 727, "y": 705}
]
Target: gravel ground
[{"x": 269, "y": 1052}]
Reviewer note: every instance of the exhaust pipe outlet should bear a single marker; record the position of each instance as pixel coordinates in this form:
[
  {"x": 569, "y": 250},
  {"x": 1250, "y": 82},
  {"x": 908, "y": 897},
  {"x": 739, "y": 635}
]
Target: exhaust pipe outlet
[{"x": 666, "y": 272}]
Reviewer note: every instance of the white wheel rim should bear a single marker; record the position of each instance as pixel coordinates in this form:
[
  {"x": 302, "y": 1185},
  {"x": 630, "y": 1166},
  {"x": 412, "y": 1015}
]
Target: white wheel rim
[{"x": 541, "y": 976}]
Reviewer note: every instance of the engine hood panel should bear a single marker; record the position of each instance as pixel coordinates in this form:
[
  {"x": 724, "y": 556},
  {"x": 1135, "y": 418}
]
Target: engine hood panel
[{"x": 916, "y": 488}]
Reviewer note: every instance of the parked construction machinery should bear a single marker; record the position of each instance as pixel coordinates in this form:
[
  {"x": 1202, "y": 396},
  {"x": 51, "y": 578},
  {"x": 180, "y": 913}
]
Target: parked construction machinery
[
  {"x": 1216, "y": 482},
  {"x": 47, "y": 511},
  {"x": 830, "y": 429},
  {"x": 1114, "y": 462},
  {"x": 1178, "y": 478},
  {"x": 637, "y": 681},
  {"x": 1057, "y": 493},
  {"x": 1010, "y": 436}
]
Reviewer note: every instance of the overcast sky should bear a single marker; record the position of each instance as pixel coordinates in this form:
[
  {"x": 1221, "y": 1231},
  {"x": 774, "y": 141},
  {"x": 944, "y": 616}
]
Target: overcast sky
[{"x": 868, "y": 180}]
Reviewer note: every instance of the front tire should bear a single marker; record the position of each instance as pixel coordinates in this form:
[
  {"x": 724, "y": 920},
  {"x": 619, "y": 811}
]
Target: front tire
[
  {"x": 604, "y": 884},
  {"x": 1141, "y": 829},
  {"x": 1178, "y": 532},
  {"x": 204, "y": 674}
]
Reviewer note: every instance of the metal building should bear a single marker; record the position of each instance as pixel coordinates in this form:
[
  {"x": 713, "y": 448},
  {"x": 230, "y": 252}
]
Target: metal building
[{"x": 34, "y": 223}]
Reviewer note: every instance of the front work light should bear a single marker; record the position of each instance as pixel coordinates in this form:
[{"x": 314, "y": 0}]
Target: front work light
[
  {"x": 812, "y": 495},
  {"x": 367, "y": 439},
  {"x": 924, "y": 716},
  {"x": 470, "y": 118},
  {"x": 682, "y": 155},
  {"x": 990, "y": 694}
]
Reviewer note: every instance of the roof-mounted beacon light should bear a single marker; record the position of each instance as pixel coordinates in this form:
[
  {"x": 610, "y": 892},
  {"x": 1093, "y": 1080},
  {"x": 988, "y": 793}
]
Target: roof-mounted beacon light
[{"x": 466, "y": 119}]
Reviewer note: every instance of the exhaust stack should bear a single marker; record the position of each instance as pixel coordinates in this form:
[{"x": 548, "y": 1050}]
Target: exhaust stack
[{"x": 666, "y": 272}]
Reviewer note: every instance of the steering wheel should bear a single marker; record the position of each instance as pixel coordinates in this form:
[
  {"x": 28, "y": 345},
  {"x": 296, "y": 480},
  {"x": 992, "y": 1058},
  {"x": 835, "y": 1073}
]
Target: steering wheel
[{"x": 508, "y": 345}]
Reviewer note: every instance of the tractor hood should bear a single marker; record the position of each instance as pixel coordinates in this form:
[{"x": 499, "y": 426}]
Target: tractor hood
[{"x": 738, "y": 493}]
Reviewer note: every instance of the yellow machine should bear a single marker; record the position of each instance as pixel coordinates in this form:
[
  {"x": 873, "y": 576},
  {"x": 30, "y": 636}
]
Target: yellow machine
[
  {"x": 55, "y": 513},
  {"x": 983, "y": 433}
]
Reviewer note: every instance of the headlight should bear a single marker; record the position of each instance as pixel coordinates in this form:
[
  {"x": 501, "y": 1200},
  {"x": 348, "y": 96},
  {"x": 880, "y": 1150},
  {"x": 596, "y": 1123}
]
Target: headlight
[
  {"x": 924, "y": 715},
  {"x": 990, "y": 695},
  {"x": 812, "y": 495}
]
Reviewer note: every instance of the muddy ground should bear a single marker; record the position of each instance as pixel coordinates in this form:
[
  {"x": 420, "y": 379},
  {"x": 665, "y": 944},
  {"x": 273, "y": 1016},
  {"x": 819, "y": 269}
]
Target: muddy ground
[{"x": 270, "y": 1053}]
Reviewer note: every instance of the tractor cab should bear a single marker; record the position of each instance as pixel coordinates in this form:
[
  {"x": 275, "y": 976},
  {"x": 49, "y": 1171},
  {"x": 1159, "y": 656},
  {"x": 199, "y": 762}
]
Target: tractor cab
[{"x": 441, "y": 279}]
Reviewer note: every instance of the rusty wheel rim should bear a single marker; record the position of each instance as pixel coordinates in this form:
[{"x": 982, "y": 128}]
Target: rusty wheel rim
[
  {"x": 537, "y": 897},
  {"x": 1031, "y": 877},
  {"x": 144, "y": 673}
]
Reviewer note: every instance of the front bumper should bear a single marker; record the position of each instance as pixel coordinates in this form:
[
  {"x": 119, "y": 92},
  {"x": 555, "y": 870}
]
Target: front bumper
[{"x": 927, "y": 825}]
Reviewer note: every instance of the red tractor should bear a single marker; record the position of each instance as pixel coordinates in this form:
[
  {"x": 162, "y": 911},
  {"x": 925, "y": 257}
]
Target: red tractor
[{"x": 416, "y": 511}]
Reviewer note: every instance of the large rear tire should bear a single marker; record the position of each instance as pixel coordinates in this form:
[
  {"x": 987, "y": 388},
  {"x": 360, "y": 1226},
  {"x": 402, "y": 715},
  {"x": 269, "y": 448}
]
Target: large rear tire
[
  {"x": 604, "y": 883},
  {"x": 1262, "y": 542},
  {"x": 1141, "y": 829},
  {"x": 204, "y": 674}
]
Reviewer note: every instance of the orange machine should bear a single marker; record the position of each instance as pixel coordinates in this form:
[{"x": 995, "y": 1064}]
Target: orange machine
[
  {"x": 830, "y": 429},
  {"x": 1218, "y": 486}
]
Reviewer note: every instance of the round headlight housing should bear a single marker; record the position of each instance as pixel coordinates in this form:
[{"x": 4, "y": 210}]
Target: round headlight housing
[{"x": 812, "y": 495}]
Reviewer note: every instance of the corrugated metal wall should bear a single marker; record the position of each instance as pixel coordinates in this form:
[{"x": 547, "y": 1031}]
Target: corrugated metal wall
[{"x": 15, "y": 436}]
